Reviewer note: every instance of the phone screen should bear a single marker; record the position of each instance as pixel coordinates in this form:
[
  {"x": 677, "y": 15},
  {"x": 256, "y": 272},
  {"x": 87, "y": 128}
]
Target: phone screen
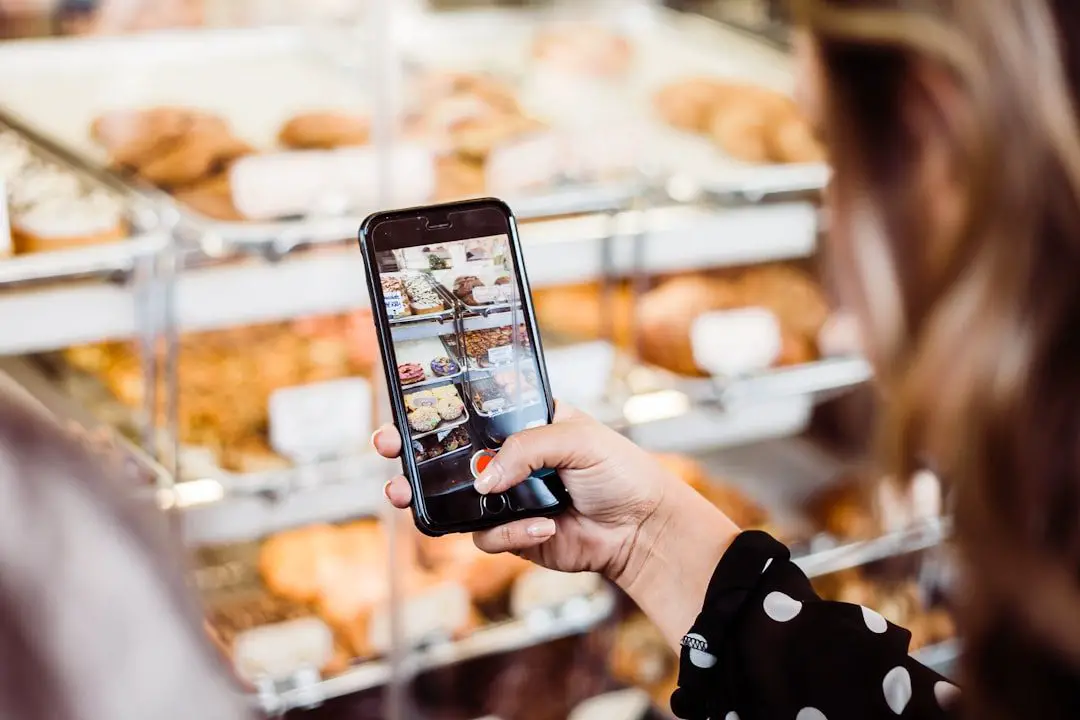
[{"x": 466, "y": 357}]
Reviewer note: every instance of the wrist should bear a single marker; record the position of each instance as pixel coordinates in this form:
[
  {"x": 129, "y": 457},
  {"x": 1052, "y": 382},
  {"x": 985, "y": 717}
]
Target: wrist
[{"x": 672, "y": 556}]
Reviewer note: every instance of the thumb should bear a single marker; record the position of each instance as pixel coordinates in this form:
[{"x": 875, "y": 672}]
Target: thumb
[{"x": 551, "y": 446}]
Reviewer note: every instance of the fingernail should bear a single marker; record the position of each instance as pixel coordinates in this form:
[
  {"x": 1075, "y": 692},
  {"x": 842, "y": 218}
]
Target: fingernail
[
  {"x": 375, "y": 439},
  {"x": 386, "y": 490},
  {"x": 542, "y": 528},
  {"x": 487, "y": 479}
]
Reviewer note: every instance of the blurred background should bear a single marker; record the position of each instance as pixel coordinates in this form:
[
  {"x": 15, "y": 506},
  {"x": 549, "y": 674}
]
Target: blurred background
[{"x": 184, "y": 182}]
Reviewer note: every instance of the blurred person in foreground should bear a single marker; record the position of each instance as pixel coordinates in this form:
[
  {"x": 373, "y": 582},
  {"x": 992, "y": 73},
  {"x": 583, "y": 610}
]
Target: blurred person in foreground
[
  {"x": 954, "y": 138},
  {"x": 96, "y": 622}
]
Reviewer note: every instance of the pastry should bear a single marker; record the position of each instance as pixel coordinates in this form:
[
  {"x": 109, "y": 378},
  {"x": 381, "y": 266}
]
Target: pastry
[
  {"x": 443, "y": 366},
  {"x": 325, "y": 131},
  {"x": 792, "y": 141},
  {"x": 584, "y": 49},
  {"x": 423, "y": 298},
  {"x": 844, "y": 510},
  {"x": 424, "y": 419},
  {"x": 689, "y": 104},
  {"x": 456, "y": 439},
  {"x": 743, "y": 511},
  {"x": 204, "y": 150},
  {"x": 445, "y": 391},
  {"x": 463, "y": 287},
  {"x": 795, "y": 298},
  {"x": 62, "y": 223},
  {"x": 51, "y": 208},
  {"x": 742, "y": 132},
  {"x": 423, "y": 398},
  {"x": 132, "y": 136},
  {"x": 487, "y": 397},
  {"x": 394, "y": 297},
  {"x": 411, "y": 373},
  {"x": 458, "y": 178},
  {"x": 289, "y": 562},
  {"x": 587, "y": 312},
  {"x": 450, "y": 408},
  {"x": 502, "y": 280},
  {"x": 211, "y": 196}
]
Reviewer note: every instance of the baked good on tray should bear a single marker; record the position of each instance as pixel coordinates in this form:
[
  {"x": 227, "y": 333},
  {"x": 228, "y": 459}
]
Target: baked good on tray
[
  {"x": 50, "y": 208},
  {"x": 424, "y": 419},
  {"x": 444, "y": 366},
  {"x": 411, "y": 373},
  {"x": 748, "y": 122},
  {"x": 584, "y": 49},
  {"x": 742, "y": 510},
  {"x": 325, "y": 130},
  {"x": 423, "y": 298},
  {"x": 185, "y": 151},
  {"x": 667, "y": 313}
]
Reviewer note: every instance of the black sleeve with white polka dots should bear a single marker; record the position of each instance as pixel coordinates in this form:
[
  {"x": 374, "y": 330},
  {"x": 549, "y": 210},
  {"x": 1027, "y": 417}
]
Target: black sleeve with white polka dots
[{"x": 766, "y": 647}]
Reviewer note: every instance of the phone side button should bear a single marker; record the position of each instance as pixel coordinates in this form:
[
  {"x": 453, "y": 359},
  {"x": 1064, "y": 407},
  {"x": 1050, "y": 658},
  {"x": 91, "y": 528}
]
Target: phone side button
[{"x": 493, "y": 504}]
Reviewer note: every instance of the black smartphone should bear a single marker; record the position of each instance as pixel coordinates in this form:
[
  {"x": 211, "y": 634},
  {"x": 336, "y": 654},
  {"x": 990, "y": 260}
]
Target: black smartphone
[{"x": 462, "y": 356}]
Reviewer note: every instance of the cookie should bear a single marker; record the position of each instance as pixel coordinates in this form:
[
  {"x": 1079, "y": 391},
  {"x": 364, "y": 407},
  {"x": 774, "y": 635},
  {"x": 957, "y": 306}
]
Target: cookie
[
  {"x": 325, "y": 131},
  {"x": 450, "y": 408},
  {"x": 424, "y": 419}
]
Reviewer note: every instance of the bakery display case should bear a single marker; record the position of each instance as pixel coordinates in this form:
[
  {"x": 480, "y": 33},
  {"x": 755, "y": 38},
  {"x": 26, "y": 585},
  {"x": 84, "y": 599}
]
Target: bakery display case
[{"x": 202, "y": 299}]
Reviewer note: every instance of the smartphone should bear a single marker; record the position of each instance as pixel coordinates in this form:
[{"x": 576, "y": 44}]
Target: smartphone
[{"x": 462, "y": 356}]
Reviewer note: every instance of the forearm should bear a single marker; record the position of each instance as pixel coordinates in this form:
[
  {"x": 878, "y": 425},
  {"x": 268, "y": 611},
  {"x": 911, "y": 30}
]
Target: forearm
[{"x": 673, "y": 558}]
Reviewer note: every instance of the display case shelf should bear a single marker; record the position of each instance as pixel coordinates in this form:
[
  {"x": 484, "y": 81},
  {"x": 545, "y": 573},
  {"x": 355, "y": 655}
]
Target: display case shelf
[{"x": 571, "y": 618}]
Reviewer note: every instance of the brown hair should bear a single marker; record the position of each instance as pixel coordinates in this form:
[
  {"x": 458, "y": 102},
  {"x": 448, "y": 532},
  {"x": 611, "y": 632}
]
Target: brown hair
[
  {"x": 95, "y": 617},
  {"x": 974, "y": 325}
]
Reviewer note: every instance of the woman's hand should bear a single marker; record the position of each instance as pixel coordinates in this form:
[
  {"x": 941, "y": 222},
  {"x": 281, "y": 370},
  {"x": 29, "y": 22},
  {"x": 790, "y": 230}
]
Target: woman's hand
[
  {"x": 615, "y": 485},
  {"x": 631, "y": 520}
]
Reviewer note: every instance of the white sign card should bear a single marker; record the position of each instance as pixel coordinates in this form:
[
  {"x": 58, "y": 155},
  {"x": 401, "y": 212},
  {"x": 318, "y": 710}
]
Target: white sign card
[
  {"x": 736, "y": 342},
  {"x": 322, "y": 419}
]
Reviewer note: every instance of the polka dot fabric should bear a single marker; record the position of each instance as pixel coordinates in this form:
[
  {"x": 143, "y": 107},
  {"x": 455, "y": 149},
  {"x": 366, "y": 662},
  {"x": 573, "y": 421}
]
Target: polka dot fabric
[{"x": 766, "y": 646}]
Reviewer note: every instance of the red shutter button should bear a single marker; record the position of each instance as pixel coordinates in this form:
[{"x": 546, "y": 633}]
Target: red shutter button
[{"x": 480, "y": 461}]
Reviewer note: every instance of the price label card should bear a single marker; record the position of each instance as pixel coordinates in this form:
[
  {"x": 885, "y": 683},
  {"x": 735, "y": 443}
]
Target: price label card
[
  {"x": 323, "y": 419},
  {"x": 524, "y": 164},
  {"x": 488, "y": 294},
  {"x": 736, "y": 342},
  {"x": 278, "y": 651},
  {"x": 328, "y": 182},
  {"x": 437, "y": 613},
  {"x": 395, "y": 303},
  {"x": 501, "y": 355},
  {"x": 580, "y": 374}
]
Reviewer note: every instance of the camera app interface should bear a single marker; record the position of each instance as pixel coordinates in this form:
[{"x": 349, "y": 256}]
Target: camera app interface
[{"x": 464, "y": 353}]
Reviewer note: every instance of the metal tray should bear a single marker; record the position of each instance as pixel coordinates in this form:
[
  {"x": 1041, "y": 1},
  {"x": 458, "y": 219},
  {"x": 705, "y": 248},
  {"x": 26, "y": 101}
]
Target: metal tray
[
  {"x": 229, "y": 572},
  {"x": 669, "y": 45},
  {"x": 258, "y": 78},
  {"x": 818, "y": 380}
]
